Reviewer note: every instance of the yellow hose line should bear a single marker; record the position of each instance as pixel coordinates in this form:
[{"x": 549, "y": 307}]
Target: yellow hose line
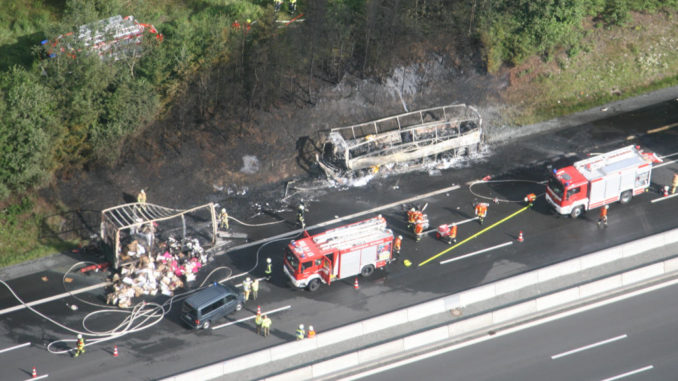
[{"x": 475, "y": 235}]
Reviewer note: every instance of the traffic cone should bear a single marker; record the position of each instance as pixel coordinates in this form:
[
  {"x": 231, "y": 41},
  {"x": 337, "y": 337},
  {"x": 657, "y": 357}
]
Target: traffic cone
[
  {"x": 258, "y": 310},
  {"x": 35, "y": 373},
  {"x": 520, "y": 236},
  {"x": 666, "y": 191},
  {"x": 355, "y": 284},
  {"x": 115, "y": 351}
]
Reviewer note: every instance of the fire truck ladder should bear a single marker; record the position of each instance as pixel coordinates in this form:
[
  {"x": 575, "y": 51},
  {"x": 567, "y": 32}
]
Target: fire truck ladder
[
  {"x": 603, "y": 160},
  {"x": 349, "y": 234}
]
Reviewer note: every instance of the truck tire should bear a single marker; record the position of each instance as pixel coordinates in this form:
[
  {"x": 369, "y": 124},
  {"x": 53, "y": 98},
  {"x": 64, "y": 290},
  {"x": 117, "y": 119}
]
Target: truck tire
[
  {"x": 625, "y": 197},
  {"x": 576, "y": 212},
  {"x": 367, "y": 271},
  {"x": 314, "y": 285},
  {"x": 206, "y": 324},
  {"x": 238, "y": 307}
]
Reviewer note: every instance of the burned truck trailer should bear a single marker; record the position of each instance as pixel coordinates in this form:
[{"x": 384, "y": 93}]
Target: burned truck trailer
[{"x": 405, "y": 138}]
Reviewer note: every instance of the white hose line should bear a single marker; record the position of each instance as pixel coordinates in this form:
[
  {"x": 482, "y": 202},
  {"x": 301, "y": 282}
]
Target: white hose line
[{"x": 470, "y": 188}]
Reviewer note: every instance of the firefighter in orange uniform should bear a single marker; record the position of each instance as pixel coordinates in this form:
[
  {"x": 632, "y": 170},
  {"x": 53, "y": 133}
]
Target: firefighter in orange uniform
[
  {"x": 411, "y": 218},
  {"x": 481, "y": 211},
  {"x": 396, "y": 245},
  {"x": 453, "y": 233},
  {"x": 603, "y": 216},
  {"x": 530, "y": 199},
  {"x": 419, "y": 227}
]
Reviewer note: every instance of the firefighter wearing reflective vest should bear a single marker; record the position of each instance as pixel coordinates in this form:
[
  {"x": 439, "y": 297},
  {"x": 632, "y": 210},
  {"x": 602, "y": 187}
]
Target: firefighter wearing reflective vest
[
  {"x": 255, "y": 289},
  {"x": 481, "y": 211},
  {"x": 530, "y": 199},
  {"x": 301, "y": 332},
  {"x": 419, "y": 227},
  {"x": 674, "y": 183},
  {"x": 293, "y": 6},
  {"x": 80, "y": 349},
  {"x": 411, "y": 218},
  {"x": 311, "y": 332},
  {"x": 223, "y": 219},
  {"x": 301, "y": 211},
  {"x": 266, "y": 325},
  {"x": 453, "y": 234},
  {"x": 247, "y": 287},
  {"x": 269, "y": 269},
  {"x": 397, "y": 243},
  {"x": 602, "y": 220},
  {"x": 258, "y": 321}
]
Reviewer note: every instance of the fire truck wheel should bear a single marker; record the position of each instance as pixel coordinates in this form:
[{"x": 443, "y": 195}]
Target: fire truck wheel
[
  {"x": 314, "y": 285},
  {"x": 576, "y": 212},
  {"x": 367, "y": 271},
  {"x": 625, "y": 197},
  {"x": 238, "y": 307},
  {"x": 206, "y": 324}
]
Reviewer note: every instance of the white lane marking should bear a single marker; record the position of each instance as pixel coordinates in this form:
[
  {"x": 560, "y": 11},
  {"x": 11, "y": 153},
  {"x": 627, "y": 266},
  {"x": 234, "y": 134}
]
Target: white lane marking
[
  {"x": 669, "y": 155},
  {"x": 517, "y": 328},
  {"x": 456, "y": 223},
  {"x": 662, "y": 128},
  {"x": 38, "y": 377},
  {"x": 477, "y": 252},
  {"x": 340, "y": 219},
  {"x": 663, "y": 164},
  {"x": 662, "y": 198},
  {"x": 15, "y": 347},
  {"x": 54, "y": 297},
  {"x": 251, "y": 317},
  {"x": 580, "y": 349},
  {"x": 639, "y": 370}
]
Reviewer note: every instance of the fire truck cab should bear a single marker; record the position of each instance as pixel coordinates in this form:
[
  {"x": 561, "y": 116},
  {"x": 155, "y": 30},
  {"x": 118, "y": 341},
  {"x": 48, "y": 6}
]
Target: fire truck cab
[
  {"x": 599, "y": 180},
  {"x": 346, "y": 251}
]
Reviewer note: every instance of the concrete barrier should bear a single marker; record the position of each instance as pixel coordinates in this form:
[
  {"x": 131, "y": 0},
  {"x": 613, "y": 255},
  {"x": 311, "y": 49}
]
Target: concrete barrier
[
  {"x": 477, "y": 294},
  {"x": 388, "y": 320},
  {"x": 426, "y": 338},
  {"x": 471, "y": 324},
  {"x": 560, "y": 269},
  {"x": 282, "y": 351},
  {"x": 247, "y": 361},
  {"x": 600, "y": 286},
  {"x": 558, "y": 298},
  {"x": 427, "y": 309},
  {"x": 515, "y": 311},
  {"x": 206, "y": 373},
  {"x": 671, "y": 265},
  {"x": 642, "y": 273},
  {"x": 380, "y": 351},
  {"x": 515, "y": 282},
  {"x": 340, "y": 334},
  {"x": 600, "y": 258},
  {"x": 304, "y": 373},
  {"x": 452, "y": 302},
  {"x": 338, "y": 363},
  {"x": 648, "y": 243}
]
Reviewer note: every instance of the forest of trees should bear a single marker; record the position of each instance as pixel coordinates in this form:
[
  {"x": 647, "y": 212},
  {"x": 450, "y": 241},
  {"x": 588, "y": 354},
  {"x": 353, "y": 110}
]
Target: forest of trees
[{"x": 62, "y": 114}]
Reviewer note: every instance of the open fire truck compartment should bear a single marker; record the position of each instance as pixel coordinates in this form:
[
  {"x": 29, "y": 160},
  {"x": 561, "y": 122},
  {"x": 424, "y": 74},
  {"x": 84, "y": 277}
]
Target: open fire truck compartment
[
  {"x": 401, "y": 138},
  {"x": 343, "y": 252}
]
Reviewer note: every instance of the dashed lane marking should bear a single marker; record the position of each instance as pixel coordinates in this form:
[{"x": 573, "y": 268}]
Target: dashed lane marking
[
  {"x": 251, "y": 317},
  {"x": 477, "y": 252},
  {"x": 15, "y": 347}
]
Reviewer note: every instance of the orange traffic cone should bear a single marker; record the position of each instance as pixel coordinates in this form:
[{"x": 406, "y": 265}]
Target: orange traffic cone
[
  {"x": 258, "y": 310},
  {"x": 115, "y": 351},
  {"x": 520, "y": 236},
  {"x": 355, "y": 284},
  {"x": 35, "y": 373},
  {"x": 666, "y": 191}
]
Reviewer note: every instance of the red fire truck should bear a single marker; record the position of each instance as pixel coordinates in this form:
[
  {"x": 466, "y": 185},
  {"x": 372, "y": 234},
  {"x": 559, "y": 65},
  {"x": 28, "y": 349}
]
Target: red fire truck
[
  {"x": 599, "y": 180},
  {"x": 343, "y": 252}
]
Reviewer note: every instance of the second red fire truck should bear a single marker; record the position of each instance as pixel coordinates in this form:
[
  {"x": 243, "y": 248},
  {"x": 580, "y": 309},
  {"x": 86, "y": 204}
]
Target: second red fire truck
[
  {"x": 339, "y": 253},
  {"x": 599, "y": 180}
]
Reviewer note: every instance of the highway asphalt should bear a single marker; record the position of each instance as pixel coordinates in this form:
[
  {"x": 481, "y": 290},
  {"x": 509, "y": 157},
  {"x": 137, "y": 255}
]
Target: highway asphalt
[
  {"x": 633, "y": 339},
  {"x": 169, "y": 347}
]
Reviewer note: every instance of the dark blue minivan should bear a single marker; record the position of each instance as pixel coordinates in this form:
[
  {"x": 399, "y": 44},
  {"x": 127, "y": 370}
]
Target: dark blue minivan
[{"x": 204, "y": 307}]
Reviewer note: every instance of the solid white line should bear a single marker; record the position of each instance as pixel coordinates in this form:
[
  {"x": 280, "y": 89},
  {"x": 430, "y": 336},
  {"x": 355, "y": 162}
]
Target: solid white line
[
  {"x": 663, "y": 164},
  {"x": 38, "y": 377},
  {"x": 580, "y": 349},
  {"x": 662, "y": 198},
  {"x": 669, "y": 155},
  {"x": 55, "y": 297},
  {"x": 252, "y": 317},
  {"x": 617, "y": 377},
  {"x": 476, "y": 252},
  {"x": 456, "y": 223},
  {"x": 15, "y": 347},
  {"x": 511, "y": 330}
]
